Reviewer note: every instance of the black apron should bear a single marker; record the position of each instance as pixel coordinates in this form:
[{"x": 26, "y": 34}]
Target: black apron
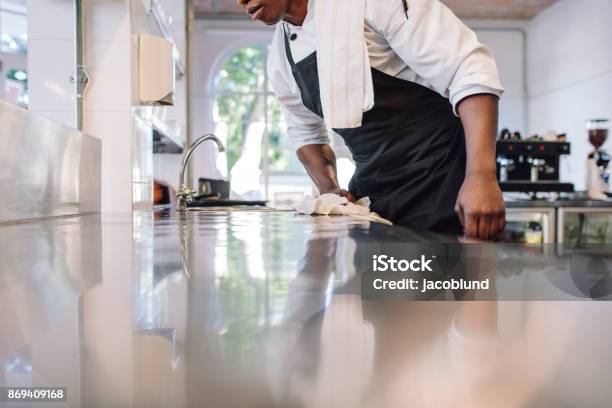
[{"x": 409, "y": 152}]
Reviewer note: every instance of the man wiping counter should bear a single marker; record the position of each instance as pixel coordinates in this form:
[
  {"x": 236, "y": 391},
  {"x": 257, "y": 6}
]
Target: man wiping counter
[{"x": 413, "y": 94}]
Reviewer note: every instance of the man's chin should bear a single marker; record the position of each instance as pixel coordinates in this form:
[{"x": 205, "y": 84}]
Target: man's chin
[
  {"x": 271, "y": 17},
  {"x": 272, "y": 21}
]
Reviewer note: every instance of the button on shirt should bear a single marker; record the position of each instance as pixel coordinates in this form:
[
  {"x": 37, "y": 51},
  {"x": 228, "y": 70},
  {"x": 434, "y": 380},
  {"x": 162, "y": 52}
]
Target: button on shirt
[{"x": 423, "y": 43}]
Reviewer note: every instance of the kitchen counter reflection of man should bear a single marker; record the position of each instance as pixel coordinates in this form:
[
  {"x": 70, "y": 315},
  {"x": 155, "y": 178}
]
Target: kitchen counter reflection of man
[{"x": 425, "y": 150}]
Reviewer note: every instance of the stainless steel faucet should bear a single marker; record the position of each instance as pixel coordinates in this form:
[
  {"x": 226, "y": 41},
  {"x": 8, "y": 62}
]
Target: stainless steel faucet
[{"x": 185, "y": 193}]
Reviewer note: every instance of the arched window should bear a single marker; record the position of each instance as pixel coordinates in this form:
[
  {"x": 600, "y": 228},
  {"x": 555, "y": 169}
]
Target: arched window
[{"x": 248, "y": 117}]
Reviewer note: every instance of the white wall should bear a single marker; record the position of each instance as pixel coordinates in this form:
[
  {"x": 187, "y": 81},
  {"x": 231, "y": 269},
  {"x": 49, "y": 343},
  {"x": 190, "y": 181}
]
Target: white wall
[
  {"x": 507, "y": 41},
  {"x": 51, "y": 59},
  {"x": 107, "y": 102},
  {"x": 570, "y": 74}
]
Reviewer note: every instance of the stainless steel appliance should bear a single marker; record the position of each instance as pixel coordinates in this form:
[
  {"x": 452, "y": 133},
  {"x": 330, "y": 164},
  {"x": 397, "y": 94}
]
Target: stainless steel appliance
[{"x": 531, "y": 166}]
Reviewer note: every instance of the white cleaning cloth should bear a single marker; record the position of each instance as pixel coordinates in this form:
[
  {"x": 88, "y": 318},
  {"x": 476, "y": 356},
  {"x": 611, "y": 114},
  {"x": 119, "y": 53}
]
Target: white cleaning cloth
[
  {"x": 333, "y": 204},
  {"x": 345, "y": 76}
]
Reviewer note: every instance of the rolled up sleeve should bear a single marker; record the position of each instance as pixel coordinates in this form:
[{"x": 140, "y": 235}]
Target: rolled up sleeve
[
  {"x": 303, "y": 126},
  {"x": 439, "y": 48}
]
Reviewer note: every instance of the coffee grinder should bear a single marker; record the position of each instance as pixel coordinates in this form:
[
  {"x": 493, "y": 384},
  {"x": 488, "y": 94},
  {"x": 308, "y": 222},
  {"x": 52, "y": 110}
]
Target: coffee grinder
[{"x": 598, "y": 173}]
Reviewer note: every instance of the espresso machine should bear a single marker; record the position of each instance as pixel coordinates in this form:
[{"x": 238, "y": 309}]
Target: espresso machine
[{"x": 532, "y": 166}]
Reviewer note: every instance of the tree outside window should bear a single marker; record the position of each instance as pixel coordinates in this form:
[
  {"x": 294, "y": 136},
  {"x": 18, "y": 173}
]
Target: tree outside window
[{"x": 247, "y": 115}]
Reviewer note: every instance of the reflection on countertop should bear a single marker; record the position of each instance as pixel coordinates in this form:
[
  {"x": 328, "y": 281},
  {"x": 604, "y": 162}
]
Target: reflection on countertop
[{"x": 262, "y": 309}]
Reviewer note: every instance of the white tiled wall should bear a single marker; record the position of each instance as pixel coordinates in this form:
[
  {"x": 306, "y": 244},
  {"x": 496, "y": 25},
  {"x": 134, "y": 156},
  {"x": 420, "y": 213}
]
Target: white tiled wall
[
  {"x": 111, "y": 26},
  {"x": 51, "y": 59},
  {"x": 42, "y": 12},
  {"x": 142, "y": 159},
  {"x": 108, "y": 100},
  {"x": 114, "y": 128},
  {"x": 50, "y": 65},
  {"x": 107, "y": 20},
  {"x": 570, "y": 74},
  {"x": 107, "y": 105},
  {"x": 109, "y": 65}
]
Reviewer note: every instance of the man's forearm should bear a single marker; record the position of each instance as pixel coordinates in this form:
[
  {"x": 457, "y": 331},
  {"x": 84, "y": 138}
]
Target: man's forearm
[
  {"x": 320, "y": 162},
  {"x": 480, "y": 204},
  {"x": 479, "y": 115}
]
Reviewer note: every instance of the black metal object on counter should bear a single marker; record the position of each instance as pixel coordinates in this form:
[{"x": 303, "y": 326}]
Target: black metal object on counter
[
  {"x": 214, "y": 188},
  {"x": 531, "y": 166},
  {"x": 536, "y": 187}
]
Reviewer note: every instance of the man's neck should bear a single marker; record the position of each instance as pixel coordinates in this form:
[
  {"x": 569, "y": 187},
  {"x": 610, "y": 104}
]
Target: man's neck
[{"x": 296, "y": 12}]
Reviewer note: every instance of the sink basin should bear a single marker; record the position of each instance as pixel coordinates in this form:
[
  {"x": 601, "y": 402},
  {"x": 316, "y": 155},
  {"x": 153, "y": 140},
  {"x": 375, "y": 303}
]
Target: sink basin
[
  {"x": 207, "y": 202},
  {"x": 216, "y": 205},
  {"x": 237, "y": 208}
]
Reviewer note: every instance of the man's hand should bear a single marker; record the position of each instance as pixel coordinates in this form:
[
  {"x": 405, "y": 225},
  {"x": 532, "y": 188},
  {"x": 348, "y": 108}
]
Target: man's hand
[
  {"x": 480, "y": 207},
  {"x": 342, "y": 193},
  {"x": 320, "y": 163}
]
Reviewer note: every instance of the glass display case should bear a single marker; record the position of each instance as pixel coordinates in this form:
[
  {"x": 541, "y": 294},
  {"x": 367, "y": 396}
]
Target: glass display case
[
  {"x": 533, "y": 226},
  {"x": 584, "y": 226}
]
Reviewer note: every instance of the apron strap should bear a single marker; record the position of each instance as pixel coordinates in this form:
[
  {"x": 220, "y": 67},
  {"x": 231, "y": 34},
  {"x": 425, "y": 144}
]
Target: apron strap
[{"x": 288, "y": 47}]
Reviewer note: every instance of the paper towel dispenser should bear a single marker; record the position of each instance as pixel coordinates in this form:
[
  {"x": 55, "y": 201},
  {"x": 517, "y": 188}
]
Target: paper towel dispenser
[{"x": 156, "y": 75}]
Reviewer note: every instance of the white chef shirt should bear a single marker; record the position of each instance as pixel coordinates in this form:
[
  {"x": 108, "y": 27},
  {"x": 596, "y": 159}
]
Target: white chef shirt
[{"x": 427, "y": 45}]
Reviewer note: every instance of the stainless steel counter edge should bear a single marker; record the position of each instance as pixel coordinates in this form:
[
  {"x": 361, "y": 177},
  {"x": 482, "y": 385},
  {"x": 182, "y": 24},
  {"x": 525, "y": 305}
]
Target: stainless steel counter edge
[
  {"x": 559, "y": 204},
  {"x": 47, "y": 169}
]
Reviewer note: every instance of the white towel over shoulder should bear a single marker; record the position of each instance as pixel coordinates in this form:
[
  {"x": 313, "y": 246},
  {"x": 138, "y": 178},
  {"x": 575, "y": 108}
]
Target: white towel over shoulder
[{"x": 345, "y": 76}]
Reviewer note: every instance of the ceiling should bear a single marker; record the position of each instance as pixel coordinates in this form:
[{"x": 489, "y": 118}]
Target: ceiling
[{"x": 479, "y": 9}]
